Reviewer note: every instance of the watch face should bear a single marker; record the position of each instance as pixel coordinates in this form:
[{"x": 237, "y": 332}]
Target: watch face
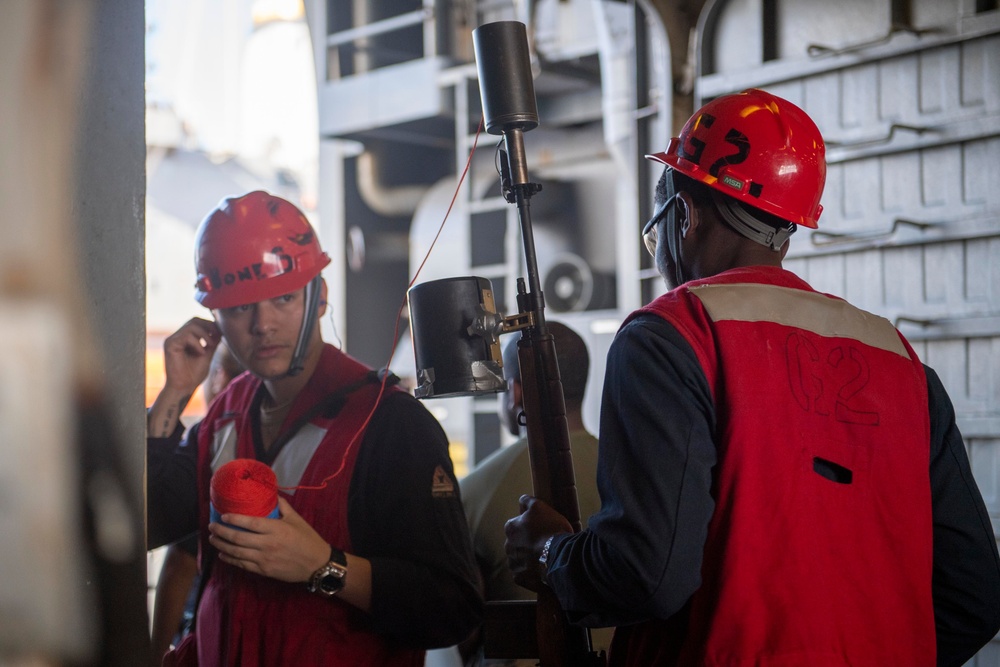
[
  {"x": 332, "y": 582},
  {"x": 329, "y": 579}
]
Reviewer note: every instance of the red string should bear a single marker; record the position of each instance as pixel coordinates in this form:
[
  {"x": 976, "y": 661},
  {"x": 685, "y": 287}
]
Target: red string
[
  {"x": 399, "y": 315},
  {"x": 244, "y": 486}
]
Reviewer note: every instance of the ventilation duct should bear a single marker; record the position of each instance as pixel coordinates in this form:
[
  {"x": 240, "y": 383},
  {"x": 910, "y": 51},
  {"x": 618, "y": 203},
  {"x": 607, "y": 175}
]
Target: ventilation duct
[{"x": 571, "y": 285}]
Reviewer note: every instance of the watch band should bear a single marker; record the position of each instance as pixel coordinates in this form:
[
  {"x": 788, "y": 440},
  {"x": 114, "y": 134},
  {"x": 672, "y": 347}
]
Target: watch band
[
  {"x": 543, "y": 559},
  {"x": 337, "y": 556},
  {"x": 330, "y": 579}
]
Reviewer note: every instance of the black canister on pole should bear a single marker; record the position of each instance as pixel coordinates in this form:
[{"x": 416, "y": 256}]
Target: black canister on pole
[
  {"x": 506, "y": 87},
  {"x": 454, "y": 326}
]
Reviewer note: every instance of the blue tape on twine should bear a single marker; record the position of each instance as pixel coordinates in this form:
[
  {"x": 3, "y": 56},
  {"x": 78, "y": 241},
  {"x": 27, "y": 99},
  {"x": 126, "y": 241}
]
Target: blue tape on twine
[{"x": 215, "y": 517}]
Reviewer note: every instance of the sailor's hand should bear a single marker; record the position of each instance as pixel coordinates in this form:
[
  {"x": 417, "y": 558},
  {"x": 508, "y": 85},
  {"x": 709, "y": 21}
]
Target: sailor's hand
[
  {"x": 286, "y": 548},
  {"x": 187, "y": 355},
  {"x": 526, "y": 538}
]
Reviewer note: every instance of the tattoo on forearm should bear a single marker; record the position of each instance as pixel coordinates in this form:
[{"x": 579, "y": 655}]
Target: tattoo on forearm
[
  {"x": 171, "y": 415},
  {"x": 167, "y": 420}
]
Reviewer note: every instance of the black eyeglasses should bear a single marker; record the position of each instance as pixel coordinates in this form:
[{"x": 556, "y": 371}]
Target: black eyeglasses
[{"x": 649, "y": 233}]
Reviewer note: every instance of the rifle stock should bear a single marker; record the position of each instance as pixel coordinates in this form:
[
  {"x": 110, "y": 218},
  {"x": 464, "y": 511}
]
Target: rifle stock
[
  {"x": 560, "y": 644},
  {"x": 552, "y": 473}
]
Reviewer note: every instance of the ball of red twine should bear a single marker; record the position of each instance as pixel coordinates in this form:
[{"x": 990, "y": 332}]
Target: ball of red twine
[{"x": 244, "y": 486}]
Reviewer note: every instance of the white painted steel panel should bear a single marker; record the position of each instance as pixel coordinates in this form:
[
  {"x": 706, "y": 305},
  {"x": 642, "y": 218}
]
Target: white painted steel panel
[
  {"x": 741, "y": 25},
  {"x": 837, "y": 24}
]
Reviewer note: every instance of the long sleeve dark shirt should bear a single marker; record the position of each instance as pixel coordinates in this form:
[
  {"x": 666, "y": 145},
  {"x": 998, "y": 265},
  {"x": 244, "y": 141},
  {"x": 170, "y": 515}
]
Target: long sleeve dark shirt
[{"x": 424, "y": 582}]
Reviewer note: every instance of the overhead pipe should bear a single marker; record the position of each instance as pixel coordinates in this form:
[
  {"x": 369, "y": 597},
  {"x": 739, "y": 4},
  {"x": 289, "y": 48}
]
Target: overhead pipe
[{"x": 389, "y": 201}]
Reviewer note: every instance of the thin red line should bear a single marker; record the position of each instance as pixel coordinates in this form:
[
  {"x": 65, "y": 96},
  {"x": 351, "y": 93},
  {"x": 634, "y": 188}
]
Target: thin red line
[{"x": 395, "y": 333}]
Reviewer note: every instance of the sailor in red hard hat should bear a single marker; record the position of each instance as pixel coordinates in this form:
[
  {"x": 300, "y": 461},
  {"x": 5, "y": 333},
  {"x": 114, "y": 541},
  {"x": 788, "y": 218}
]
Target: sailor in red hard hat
[
  {"x": 782, "y": 480},
  {"x": 369, "y": 561}
]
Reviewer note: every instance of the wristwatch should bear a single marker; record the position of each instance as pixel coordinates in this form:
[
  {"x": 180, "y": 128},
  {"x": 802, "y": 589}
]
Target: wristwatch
[
  {"x": 329, "y": 579},
  {"x": 543, "y": 560}
]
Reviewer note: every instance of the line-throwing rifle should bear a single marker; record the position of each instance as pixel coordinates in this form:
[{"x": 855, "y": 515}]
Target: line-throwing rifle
[{"x": 455, "y": 328}]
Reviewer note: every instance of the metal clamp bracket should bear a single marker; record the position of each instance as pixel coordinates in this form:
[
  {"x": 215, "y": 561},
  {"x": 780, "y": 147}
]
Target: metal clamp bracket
[{"x": 517, "y": 322}]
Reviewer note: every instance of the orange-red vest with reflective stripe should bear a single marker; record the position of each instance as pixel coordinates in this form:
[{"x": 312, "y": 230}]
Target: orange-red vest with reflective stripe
[
  {"x": 247, "y": 620},
  {"x": 819, "y": 551}
]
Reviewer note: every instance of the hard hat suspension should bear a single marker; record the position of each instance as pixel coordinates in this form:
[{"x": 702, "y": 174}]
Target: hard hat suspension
[{"x": 741, "y": 221}]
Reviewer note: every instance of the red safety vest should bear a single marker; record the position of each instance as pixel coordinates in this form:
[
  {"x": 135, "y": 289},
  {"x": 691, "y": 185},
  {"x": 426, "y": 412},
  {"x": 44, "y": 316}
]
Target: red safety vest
[
  {"x": 247, "y": 620},
  {"x": 801, "y": 569}
]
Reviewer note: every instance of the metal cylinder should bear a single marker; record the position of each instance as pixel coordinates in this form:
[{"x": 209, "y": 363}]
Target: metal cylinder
[
  {"x": 454, "y": 326},
  {"x": 506, "y": 88}
]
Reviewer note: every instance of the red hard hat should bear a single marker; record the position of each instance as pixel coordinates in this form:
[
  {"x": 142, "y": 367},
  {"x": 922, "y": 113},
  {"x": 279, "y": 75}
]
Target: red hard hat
[
  {"x": 757, "y": 147},
  {"x": 253, "y": 248}
]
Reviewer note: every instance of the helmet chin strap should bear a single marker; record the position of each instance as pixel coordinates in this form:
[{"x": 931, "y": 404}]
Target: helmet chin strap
[
  {"x": 673, "y": 227},
  {"x": 309, "y": 315},
  {"x": 674, "y": 243}
]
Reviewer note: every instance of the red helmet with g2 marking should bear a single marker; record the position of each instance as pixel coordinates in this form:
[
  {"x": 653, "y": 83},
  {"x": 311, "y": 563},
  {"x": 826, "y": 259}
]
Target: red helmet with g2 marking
[{"x": 758, "y": 148}]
